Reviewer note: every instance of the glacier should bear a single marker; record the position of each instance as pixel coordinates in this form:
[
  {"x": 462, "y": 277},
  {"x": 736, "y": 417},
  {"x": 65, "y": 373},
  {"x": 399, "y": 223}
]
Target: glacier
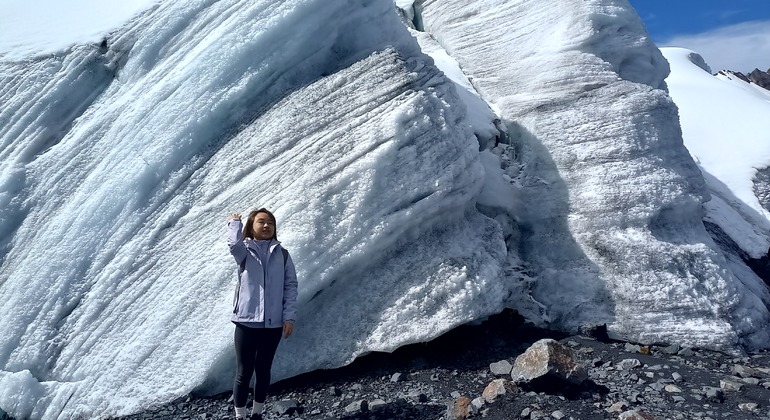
[{"x": 425, "y": 173}]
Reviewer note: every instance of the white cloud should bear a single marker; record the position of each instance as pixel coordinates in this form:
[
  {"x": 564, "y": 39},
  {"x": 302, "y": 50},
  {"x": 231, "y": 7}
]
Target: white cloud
[{"x": 742, "y": 47}]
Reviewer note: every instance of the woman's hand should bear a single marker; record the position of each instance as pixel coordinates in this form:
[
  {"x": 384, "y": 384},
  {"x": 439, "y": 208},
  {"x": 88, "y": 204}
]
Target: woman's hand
[
  {"x": 288, "y": 327},
  {"x": 233, "y": 216}
]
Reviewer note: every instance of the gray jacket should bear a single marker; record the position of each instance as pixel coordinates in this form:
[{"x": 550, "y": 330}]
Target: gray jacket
[{"x": 264, "y": 294}]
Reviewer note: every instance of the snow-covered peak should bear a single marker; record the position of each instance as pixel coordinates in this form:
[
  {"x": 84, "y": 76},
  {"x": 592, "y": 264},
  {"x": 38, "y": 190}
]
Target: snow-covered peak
[{"x": 726, "y": 129}]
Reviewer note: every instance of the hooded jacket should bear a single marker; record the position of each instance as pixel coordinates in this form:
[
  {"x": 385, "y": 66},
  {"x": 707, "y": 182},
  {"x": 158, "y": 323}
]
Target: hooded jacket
[{"x": 265, "y": 293}]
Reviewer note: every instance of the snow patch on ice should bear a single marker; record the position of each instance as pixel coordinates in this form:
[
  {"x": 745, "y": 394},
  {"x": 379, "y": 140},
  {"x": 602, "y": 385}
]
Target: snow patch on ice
[{"x": 49, "y": 26}]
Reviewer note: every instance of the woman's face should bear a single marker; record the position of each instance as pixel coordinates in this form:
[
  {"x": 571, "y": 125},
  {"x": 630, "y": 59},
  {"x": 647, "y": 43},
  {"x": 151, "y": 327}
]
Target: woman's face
[{"x": 263, "y": 226}]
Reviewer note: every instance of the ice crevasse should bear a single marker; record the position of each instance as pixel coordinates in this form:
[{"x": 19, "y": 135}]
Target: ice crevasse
[{"x": 121, "y": 161}]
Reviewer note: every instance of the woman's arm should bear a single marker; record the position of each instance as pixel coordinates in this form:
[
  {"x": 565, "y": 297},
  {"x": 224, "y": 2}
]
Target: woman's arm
[
  {"x": 289, "y": 295},
  {"x": 235, "y": 239}
]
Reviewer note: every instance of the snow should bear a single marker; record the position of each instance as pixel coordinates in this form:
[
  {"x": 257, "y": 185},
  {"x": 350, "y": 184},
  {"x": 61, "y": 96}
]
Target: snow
[
  {"x": 729, "y": 143},
  {"x": 505, "y": 157},
  {"x": 46, "y": 27},
  {"x": 479, "y": 115}
]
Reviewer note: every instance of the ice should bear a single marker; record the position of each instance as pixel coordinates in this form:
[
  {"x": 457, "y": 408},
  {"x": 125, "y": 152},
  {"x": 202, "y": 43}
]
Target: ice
[
  {"x": 530, "y": 160},
  {"x": 120, "y": 165},
  {"x": 611, "y": 213},
  {"x": 479, "y": 115}
]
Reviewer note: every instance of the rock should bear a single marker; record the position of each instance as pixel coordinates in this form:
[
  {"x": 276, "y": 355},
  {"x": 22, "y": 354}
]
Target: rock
[
  {"x": 418, "y": 396},
  {"x": 356, "y": 406},
  {"x": 476, "y": 404},
  {"x": 455, "y": 394},
  {"x": 334, "y": 391},
  {"x": 397, "y": 377},
  {"x": 686, "y": 352},
  {"x": 750, "y": 407},
  {"x": 525, "y": 413},
  {"x": 635, "y": 415},
  {"x": 737, "y": 74},
  {"x": 284, "y": 407},
  {"x": 672, "y": 349},
  {"x": 672, "y": 388},
  {"x": 496, "y": 388},
  {"x": 730, "y": 385},
  {"x": 617, "y": 407},
  {"x": 558, "y": 414},
  {"x": 460, "y": 409},
  {"x": 750, "y": 381},
  {"x": 377, "y": 405},
  {"x": 632, "y": 348},
  {"x": 547, "y": 359},
  {"x": 760, "y": 78},
  {"x": 356, "y": 387},
  {"x": 502, "y": 367},
  {"x": 636, "y": 397},
  {"x": 628, "y": 364},
  {"x": 713, "y": 394},
  {"x": 743, "y": 371},
  {"x": 677, "y": 377}
]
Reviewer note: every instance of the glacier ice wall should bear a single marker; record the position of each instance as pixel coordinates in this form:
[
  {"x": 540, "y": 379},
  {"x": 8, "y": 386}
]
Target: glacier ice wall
[
  {"x": 614, "y": 229},
  {"x": 120, "y": 163}
]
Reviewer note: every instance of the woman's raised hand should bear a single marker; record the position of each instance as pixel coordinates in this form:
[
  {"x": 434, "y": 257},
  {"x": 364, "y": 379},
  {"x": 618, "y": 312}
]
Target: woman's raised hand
[{"x": 234, "y": 216}]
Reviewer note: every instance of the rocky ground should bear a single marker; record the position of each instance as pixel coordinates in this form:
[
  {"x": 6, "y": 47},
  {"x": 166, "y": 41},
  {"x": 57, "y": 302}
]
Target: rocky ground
[{"x": 446, "y": 378}]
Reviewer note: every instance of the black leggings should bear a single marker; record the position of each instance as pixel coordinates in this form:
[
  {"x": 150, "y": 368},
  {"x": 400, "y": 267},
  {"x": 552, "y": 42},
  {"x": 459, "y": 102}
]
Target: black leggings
[{"x": 254, "y": 352}]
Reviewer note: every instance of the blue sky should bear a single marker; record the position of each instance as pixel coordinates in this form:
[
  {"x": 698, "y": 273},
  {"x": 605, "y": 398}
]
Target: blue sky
[{"x": 729, "y": 34}]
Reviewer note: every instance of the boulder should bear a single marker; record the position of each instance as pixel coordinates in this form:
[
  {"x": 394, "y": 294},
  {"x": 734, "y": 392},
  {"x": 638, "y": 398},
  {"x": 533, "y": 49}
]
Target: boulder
[
  {"x": 496, "y": 388},
  {"x": 502, "y": 367},
  {"x": 546, "y": 361}
]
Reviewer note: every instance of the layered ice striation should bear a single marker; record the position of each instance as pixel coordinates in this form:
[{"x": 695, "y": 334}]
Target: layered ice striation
[
  {"x": 542, "y": 168},
  {"x": 612, "y": 202}
]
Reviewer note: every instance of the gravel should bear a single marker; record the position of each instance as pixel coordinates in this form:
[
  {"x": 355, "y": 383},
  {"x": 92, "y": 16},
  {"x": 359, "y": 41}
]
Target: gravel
[{"x": 421, "y": 381}]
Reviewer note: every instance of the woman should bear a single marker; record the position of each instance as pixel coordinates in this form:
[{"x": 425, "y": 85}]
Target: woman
[{"x": 265, "y": 304}]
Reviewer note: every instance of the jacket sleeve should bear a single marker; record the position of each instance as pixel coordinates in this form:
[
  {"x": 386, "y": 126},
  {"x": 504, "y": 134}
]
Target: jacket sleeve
[
  {"x": 235, "y": 240},
  {"x": 289, "y": 291}
]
